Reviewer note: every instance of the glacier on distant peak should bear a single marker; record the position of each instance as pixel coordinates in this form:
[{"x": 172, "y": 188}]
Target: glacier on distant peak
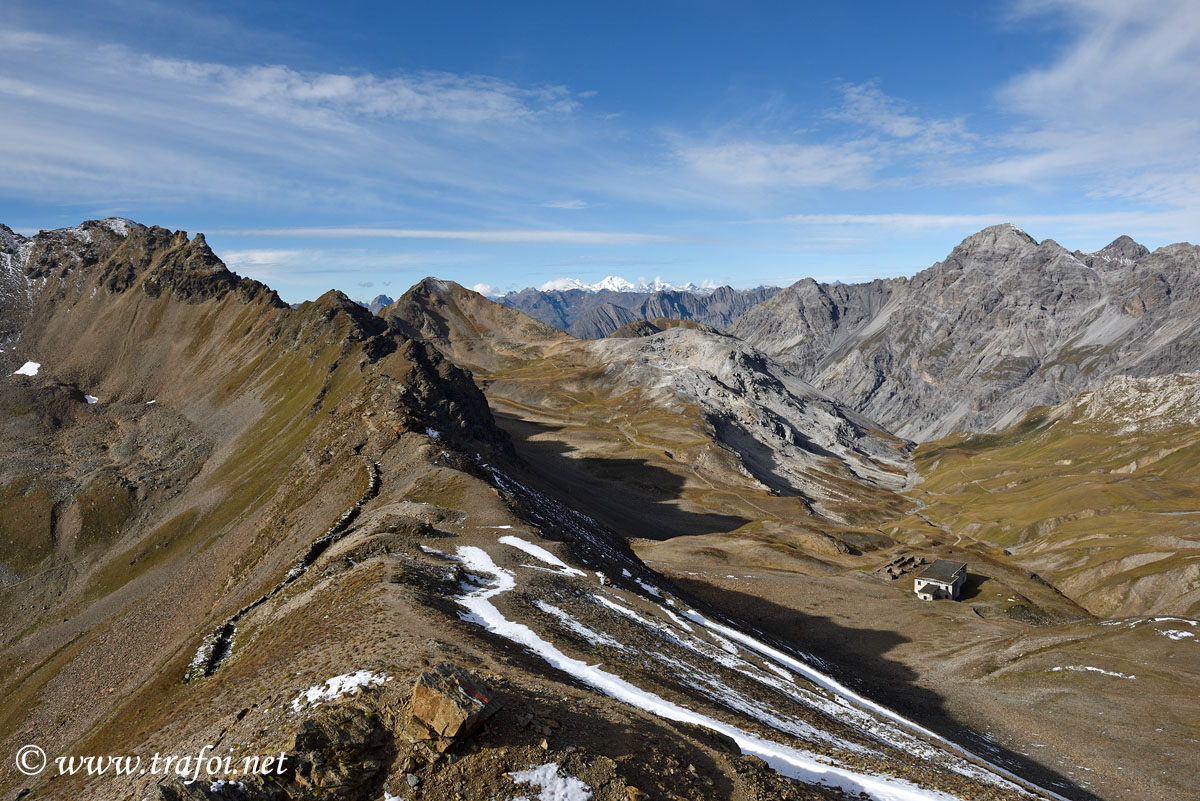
[{"x": 615, "y": 283}]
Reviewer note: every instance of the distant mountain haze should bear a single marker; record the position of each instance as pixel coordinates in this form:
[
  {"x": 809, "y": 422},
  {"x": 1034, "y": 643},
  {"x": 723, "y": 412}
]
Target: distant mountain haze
[{"x": 594, "y": 314}]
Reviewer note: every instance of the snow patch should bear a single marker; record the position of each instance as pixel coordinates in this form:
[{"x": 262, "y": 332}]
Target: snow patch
[
  {"x": 594, "y": 637},
  {"x": 336, "y": 687},
  {"x": 91, "y": 399},
  {"x": 648, "y": 588},
  {"x": 28, "y": 368},
  {"x": 221, "y": 785},
  {"x": 1174, "y": 634},
  {"x": 432, "y": 432},
  {"x": 555, "y": 785},
  {"x": 119, "y": 225},
  {"x": 1091, "y": 669},
  {"x": 540, "y": 553}
]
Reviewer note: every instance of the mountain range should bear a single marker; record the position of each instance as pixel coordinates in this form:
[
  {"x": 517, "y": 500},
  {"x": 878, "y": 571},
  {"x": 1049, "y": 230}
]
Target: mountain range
[
  {"x": 596, "y": 313},
  {"x": 1003, "y": 324},
  {"x": 615, "y": 283},
  {"x": 671, "y": 562}
]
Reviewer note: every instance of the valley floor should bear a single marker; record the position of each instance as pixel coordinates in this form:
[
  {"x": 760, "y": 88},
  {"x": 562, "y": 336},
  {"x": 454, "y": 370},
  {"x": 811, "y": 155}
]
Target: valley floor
[{"x": 1042, "y": 701}]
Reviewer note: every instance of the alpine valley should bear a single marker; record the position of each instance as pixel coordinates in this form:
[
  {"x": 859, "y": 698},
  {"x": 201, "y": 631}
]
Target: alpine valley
[{"x": 663, "y": 538}]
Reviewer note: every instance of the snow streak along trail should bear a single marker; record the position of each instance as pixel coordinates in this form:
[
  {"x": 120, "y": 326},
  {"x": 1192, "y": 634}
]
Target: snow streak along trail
[
  {"x": 839, "y": 689},
  {"x": 802, "y": 765}
]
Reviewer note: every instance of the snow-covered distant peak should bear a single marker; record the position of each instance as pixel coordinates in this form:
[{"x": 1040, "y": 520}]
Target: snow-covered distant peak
[{"x": 615, "y": 283}]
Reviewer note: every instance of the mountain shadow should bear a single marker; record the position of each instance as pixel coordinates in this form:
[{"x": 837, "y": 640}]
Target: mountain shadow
[
  {"x": 630, "y": 496},
  {"x": 857, "y": 658}
]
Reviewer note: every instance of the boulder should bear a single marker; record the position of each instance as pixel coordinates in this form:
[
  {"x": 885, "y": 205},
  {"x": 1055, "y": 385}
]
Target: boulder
[{"x": 448, "y": 703}]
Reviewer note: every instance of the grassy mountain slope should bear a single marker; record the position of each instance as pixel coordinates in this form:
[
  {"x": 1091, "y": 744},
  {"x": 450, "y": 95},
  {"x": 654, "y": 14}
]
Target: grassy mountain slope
[{"x": 1098, "y": 495}]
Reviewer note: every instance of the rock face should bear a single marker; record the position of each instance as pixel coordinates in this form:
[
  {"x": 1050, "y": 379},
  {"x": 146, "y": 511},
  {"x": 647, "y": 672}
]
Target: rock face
[
  {"x": 339, "y": 752},
  {"x": 1003, "y": 324},
  {"x": 448, "y": 703},
  {"x": 592, "y": 315},
  {"x": 648, "y": 328},
  {"x": 785, "y": 432}
]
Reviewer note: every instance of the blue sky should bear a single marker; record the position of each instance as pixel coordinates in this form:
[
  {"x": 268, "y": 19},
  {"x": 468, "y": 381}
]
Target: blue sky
[{"x": 509, "y": 144}]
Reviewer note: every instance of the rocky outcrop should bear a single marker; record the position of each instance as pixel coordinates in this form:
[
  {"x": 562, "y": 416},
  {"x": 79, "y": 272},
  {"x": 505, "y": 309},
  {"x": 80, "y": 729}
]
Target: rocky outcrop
[
  {"x": 1141, "y": 404},
  {"x": 123, "y": 254},
  {"x": 339, "y": 752},
  {"x": 648, "y": 328},
  {"x": 449, "y": 704},
  {"x": 1003, "y": 324},
  {"x": 785, "y": 433}
]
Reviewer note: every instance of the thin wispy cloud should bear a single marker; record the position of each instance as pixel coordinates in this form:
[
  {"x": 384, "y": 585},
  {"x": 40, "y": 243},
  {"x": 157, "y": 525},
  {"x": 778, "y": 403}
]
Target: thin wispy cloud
[
  {"x": 901, "y": 130},
  {"x": 337, "y": 99},
  {"x": 500, "y": 237},
  {"x": 573, "y": 205},
  {"x": 280, "y": 262},
  {"x": 765, "y": 165},
  {"x": 158, "y": 127},
  {"x": 1121, "y": 220},
  {"x": 1116, "y": 107}
]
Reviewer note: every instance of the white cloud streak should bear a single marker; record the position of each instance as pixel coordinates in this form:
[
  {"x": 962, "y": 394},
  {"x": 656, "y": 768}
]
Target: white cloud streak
[
  {"x": 499, "y": 236},
  {"x": 867, "y": 106},
  {"x": 761, "y": 165},
  {"x": 333, "y": 99},
  {"x": 1116, "y": 107},
  {"x": 1133, "y": 221},
  {"x": 99, "y": 124},
  {"x": 566, "y": 204}
]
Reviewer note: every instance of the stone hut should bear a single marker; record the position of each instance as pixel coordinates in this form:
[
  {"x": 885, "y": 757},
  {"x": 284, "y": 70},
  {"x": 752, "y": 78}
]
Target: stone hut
[{"x": 942, "y": 579}]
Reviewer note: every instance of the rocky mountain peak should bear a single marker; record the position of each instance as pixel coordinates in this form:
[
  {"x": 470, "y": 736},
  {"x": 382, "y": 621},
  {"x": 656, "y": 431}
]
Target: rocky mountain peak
[
  {"x": 377, "y": 303},
  {"x": 1003, "y": 324},
  {"x": 999, "y": 240},
  {"x": 8, "y": 239},
  {"x": 360, "y": 323},
  {"x": 1124, "y": 248}
]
